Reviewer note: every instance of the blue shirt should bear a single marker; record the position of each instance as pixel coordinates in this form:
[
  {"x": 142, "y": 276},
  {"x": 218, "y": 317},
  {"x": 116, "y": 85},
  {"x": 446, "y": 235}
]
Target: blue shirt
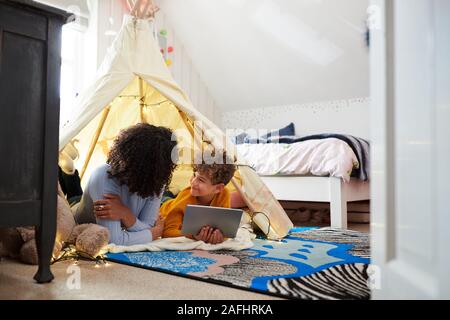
[{"x": 145, "y": 210}]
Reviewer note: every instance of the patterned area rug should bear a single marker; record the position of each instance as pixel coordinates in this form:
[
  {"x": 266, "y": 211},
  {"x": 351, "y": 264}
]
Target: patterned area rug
[{"x": 308, "y": 264}]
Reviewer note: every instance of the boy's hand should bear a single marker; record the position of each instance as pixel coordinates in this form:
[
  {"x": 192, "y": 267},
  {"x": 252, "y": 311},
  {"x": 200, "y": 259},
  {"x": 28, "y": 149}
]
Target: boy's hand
[
  {"x": 216, "y": 237},
  {"x": 210, "y": 235},
  {"x": 203, "y": 234},
  {"x": 158, "y": 229}
]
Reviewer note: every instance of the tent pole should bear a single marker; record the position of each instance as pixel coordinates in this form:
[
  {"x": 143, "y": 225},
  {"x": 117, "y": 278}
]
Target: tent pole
[
  {"x": 95, "y": 139},
  {"x": 186, "y": 122},
  {"x": 141, "y": 98},
  {"x": 190, "y": 127}
]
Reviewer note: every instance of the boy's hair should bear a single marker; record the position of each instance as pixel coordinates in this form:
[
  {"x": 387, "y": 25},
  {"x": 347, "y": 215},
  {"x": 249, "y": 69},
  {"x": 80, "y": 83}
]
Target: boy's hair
[
  {"x": 217, "y": 173},
  {"x": 141, "y": 159}
]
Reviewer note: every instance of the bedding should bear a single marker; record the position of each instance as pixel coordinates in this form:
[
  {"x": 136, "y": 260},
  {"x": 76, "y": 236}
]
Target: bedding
[
  {"x": 359, "y": 146},
  {"x": 247, "y": 137},
  {"x": 321, "y": 157}
]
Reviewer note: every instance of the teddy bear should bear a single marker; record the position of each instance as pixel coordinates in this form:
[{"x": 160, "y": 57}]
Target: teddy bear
[{"x": 88, "y": 239}]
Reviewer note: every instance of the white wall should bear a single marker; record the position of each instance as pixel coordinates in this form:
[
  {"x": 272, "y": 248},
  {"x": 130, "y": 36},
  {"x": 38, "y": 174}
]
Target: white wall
[
  {"x": 349, "y": 116},
  {"x": 79, "y": 7},
  {"x": 185, "y": 73},
  {"x": 263, "y": 53}
]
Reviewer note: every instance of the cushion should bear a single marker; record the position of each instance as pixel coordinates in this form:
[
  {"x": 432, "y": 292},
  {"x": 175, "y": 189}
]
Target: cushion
[
  {"x": 289, "y": 130},
  {"x": 240, "y": 139},
  {"x": 271, "y": 137}
]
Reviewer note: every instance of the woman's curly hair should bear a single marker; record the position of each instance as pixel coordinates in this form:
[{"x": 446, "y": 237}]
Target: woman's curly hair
[{"x": 141, "y": 159}]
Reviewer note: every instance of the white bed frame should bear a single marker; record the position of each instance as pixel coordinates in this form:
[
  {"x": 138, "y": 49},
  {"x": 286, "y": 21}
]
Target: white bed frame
[{"x": 320, "y": 189}]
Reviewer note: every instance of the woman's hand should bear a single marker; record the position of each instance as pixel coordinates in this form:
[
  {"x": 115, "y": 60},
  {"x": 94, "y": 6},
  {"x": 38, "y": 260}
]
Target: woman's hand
[
  {"x": 210, "y": 235},
  {"x": 112, "y": 208},
  {"x": 158, "y": 229}
]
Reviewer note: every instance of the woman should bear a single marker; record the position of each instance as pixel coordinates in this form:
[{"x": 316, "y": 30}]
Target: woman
[{"x": 124, "y": 194}]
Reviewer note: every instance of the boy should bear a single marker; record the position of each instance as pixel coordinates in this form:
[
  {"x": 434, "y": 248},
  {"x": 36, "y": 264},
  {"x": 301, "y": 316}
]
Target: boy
[{"x": 207, "y": 188}]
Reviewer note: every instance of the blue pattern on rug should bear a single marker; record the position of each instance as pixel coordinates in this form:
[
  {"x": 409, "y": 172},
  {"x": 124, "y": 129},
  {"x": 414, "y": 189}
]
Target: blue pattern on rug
[
  {"x": 273, "y": 262},
  {"x": 175, "y": 261},
  {"x": 318, "y": 256}
]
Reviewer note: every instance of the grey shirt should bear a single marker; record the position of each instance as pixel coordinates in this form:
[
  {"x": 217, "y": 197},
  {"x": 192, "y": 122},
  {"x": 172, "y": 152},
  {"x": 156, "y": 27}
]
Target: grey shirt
[{"x": 145, "y": 210}]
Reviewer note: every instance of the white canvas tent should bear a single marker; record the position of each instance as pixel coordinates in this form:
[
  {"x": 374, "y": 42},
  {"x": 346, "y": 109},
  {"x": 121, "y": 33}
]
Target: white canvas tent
[{"x": 134, "y": 85}]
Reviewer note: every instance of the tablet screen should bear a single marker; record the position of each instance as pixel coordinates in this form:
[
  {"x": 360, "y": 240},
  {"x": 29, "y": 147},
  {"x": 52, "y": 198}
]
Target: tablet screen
[{"x": 225, "y": 219}]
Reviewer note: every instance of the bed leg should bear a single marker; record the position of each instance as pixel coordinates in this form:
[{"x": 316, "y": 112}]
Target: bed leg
[{"x": 338, "y": 204}]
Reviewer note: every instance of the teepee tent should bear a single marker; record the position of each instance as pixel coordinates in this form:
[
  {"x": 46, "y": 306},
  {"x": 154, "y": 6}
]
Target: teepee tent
[{"x": 134, "y": 85}]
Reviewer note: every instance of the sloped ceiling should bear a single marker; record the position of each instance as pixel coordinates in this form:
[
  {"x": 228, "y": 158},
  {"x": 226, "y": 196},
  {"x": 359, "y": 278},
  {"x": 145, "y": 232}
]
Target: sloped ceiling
[{"x": 258, "y": 53}]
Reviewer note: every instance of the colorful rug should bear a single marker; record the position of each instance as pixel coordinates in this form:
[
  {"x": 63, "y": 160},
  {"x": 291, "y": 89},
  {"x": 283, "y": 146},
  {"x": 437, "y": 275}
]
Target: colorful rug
[{"x": 308, "y": 264}]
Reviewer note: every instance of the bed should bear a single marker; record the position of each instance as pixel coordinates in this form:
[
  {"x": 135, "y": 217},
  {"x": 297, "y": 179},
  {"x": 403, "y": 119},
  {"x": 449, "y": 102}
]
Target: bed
[{"x": 331, "y": 168}]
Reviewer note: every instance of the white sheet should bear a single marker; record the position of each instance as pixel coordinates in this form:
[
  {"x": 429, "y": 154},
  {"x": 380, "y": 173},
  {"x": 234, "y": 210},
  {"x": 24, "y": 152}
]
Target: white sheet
[{"x": 325, "y": 157}]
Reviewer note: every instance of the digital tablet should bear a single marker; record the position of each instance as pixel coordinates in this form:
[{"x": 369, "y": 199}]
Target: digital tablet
[{"x": 225, "y": 219}]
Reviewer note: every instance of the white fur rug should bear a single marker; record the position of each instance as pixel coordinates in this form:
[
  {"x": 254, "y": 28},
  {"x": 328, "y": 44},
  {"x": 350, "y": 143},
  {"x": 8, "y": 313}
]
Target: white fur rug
[{"x": 242, "y": 241}]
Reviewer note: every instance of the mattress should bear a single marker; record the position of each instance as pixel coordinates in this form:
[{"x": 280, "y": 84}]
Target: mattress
[{"x": 324, "y": 157}]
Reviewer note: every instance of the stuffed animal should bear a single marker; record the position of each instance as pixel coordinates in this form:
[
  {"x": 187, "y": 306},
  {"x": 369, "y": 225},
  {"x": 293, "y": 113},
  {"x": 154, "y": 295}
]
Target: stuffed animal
[{"x": 88, "y": 239}]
